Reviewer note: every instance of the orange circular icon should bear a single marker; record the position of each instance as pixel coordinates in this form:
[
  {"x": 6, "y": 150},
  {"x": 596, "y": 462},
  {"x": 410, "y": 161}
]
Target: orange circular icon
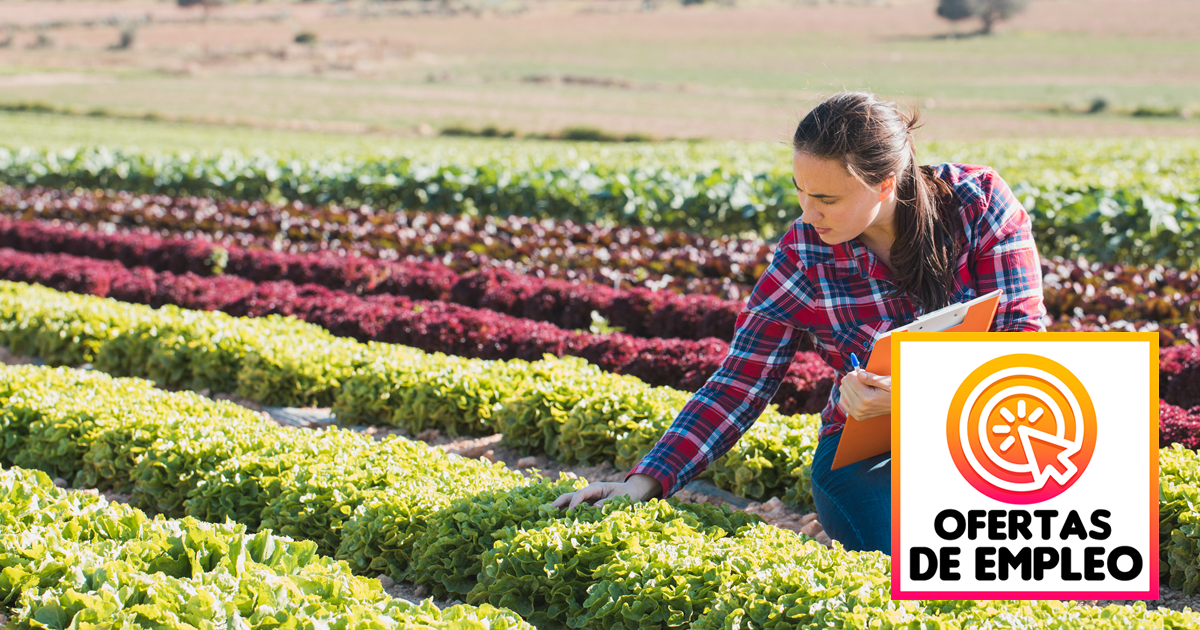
[{"x": 1021, "y": 429}]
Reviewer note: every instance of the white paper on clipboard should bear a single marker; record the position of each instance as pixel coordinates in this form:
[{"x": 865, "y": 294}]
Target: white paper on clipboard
[{"x": 943, "y": 318}]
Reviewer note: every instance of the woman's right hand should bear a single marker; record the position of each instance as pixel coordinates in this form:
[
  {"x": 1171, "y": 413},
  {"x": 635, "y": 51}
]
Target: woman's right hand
[{"x": 639, "y": 487}]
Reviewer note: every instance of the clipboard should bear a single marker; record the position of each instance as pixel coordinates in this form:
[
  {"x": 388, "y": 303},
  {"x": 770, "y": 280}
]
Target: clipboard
[{"x": 872, "y": 436}]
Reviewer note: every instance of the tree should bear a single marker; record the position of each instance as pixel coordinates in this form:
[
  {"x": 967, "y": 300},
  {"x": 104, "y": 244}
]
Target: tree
[
  {"x": 990, "y": 11},
  {"x": 956, "y": 10}
]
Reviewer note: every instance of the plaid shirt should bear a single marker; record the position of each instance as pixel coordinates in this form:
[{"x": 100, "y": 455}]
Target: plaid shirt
[{"x": 838, "y": 294}]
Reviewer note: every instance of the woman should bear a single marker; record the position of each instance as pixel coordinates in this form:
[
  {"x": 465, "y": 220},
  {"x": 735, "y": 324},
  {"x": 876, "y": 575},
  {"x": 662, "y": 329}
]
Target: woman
[{"x": 880, "y": 241}]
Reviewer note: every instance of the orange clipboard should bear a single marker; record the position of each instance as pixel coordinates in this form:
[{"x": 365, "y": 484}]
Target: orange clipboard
[{"x": 872, "y": 436}]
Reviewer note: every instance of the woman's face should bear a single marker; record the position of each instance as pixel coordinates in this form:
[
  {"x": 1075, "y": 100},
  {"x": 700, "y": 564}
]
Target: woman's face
[{"x": 836, "y": 203}]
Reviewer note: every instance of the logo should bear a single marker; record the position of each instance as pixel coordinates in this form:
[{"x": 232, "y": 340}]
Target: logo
[{"x": 1021, "y": 429}]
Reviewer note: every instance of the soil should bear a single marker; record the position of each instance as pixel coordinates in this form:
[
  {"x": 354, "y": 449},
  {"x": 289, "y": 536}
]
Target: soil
[
  {"x": 400, "y": 69},
  {"x": 8, "y": 358},
  {"x": 109, "y": 495},
  {"x": 1148, "y": 18},
  {"x": 414, "y": 593}
]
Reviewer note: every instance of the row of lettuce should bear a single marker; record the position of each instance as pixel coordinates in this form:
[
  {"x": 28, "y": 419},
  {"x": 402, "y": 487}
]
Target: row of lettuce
[
  {"x": 1076, "y": 292},
  {"x": 429, "y": 325},
  {"x": 566, "y": 408},
  {"x": 640, "y": 311},
  {"x": 451, "y": 328},
  {"x": 566, "y": 250},
  {"x": 476, "y": 315},
  {"x": 463, "y": 527},
  {"x": 73, "y": 560},
  {"x": 1100, "y": 210}
]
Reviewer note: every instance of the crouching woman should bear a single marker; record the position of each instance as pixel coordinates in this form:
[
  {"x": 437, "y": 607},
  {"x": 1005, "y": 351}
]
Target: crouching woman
[{"x": 880, "y": 240}]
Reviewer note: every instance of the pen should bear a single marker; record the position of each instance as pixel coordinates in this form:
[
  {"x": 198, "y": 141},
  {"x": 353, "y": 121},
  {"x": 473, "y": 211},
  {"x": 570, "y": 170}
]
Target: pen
[{"x": 854, "y": 361}]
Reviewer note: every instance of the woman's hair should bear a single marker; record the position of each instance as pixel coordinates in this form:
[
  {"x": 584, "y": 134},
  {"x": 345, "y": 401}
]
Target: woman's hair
[{"x": 873, "y": 140}]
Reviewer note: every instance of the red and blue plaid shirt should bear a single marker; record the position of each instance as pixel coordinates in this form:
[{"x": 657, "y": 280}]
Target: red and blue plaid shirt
[{"x": 838, "y": 293}]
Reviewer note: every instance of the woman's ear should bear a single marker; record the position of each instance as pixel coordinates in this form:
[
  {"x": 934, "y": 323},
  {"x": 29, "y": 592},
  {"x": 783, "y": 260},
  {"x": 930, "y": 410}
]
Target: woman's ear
[{"x": 886, "y": 187}]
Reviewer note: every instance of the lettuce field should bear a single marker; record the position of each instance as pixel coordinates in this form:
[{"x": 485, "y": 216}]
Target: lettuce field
[
  {"x": 569, "y": 298},
  {"x": 1141, "y": 197}
]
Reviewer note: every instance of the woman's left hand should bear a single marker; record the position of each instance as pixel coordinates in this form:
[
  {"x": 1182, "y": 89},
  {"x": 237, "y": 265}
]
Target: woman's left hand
[{"x": 865, "y": 395}]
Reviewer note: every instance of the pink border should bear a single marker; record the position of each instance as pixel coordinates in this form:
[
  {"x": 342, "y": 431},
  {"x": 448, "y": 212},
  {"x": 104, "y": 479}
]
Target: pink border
[{"x": 1151, "y": 338}]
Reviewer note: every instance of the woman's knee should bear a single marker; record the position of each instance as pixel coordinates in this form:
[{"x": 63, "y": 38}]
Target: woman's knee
[
  {"x": 859, "y": 523},
  {"x": 835, "y": 520},
  {"x": 854, "y": 502}
]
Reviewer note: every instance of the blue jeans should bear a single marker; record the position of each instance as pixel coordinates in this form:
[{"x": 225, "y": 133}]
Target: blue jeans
[{"x": 854, "y": 502}]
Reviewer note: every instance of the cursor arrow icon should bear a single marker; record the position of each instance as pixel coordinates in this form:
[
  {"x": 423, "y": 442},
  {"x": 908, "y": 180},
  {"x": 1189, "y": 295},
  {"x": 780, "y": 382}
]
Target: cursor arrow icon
[{"x": 1049, "y": 454}]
